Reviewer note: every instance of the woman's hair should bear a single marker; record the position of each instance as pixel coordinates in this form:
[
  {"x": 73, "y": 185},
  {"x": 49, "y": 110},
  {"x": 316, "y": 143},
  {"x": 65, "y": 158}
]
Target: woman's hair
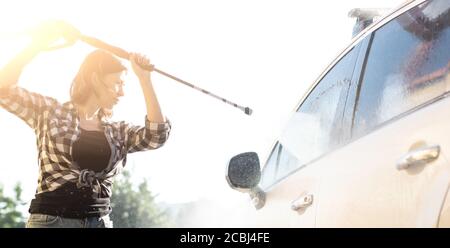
[{"x": 100, "y": 62}]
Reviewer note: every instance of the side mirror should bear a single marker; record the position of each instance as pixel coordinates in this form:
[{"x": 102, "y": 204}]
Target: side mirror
[{"x": 243, "y": 173}]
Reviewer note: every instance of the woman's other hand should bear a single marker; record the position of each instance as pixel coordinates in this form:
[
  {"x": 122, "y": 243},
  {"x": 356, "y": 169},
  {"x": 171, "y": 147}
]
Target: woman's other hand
[
  {"x": 137, "y": 62},
  {"x": 47, "y": 33}
]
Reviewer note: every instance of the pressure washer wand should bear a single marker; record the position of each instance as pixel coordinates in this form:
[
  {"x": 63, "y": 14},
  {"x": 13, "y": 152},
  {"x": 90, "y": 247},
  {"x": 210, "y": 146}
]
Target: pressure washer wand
[{"x": 125, "y": 55}]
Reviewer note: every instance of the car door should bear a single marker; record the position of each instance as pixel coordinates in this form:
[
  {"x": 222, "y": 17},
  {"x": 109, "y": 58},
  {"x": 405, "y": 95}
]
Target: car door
[
  {"x": 394, "y": 172},
  {"x": 292, "y": 173}
]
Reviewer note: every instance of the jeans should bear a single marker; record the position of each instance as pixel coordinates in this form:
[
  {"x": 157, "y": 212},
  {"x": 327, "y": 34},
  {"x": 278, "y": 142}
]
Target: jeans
[{"x": 52, "y": 221}]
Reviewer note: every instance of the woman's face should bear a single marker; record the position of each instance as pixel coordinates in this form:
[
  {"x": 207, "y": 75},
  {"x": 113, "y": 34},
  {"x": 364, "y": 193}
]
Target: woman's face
[{"x": 109, "y": 89}]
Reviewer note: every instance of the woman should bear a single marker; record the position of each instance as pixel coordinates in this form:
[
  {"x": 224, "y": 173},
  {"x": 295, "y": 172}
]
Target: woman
[{"x": 79, "y": 149}]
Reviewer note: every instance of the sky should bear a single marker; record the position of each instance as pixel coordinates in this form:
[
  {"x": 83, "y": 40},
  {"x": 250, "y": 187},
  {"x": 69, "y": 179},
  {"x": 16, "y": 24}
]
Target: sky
[{"x": 261, "y": 54}]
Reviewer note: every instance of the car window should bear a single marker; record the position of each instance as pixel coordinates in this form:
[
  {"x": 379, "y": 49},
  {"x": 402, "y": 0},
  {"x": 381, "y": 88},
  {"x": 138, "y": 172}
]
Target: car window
[
  {"x": 315, "y": 127},
  {"x": 408, "y": 65},
  {"x": 278, "y": 156}
]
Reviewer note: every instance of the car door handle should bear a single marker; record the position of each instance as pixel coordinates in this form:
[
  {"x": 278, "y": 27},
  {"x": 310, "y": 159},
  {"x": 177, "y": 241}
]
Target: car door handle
[
  {"x": 419, "y": 156},
  {"x": 302, "y": 202}
]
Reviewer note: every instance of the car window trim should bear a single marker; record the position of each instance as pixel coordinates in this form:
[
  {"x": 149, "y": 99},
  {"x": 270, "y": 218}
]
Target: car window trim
[{"x": 359, "y": 83}]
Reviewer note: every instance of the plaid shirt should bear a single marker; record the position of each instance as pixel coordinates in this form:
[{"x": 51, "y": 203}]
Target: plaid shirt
[{"x": 57, "y": 127}]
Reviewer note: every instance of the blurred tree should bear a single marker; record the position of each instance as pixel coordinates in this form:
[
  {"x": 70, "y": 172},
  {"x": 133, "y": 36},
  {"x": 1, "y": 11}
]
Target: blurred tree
[
  {"x": 135, "y": 208},
  {"x": 10, "y": 216}
]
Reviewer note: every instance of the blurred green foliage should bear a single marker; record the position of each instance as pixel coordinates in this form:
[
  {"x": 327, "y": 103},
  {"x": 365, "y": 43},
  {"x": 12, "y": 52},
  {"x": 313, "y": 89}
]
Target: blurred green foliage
[
  {"x": 10, "y": 215},
  {"x": 135, "y": 207}
]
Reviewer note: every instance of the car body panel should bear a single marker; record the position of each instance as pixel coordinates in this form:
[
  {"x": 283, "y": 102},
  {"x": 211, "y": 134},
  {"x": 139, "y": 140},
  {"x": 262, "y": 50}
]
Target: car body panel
[
  {"x": 277, "y": 211},
  {"x": 365, "y": 189}
]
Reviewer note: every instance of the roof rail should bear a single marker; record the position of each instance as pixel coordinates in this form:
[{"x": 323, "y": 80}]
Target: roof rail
[{"x": 365, "y": 17}]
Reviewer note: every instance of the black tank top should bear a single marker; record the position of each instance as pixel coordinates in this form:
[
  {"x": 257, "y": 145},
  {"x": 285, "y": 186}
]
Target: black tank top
[{"x": 91, "y": 151}]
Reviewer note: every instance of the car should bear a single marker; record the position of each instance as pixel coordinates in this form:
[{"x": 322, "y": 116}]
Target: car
[{"x": 369, "y": 143}]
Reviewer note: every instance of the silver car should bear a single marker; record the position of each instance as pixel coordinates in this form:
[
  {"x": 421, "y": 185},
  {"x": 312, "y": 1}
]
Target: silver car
[{"x": 369, "y": 143}]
